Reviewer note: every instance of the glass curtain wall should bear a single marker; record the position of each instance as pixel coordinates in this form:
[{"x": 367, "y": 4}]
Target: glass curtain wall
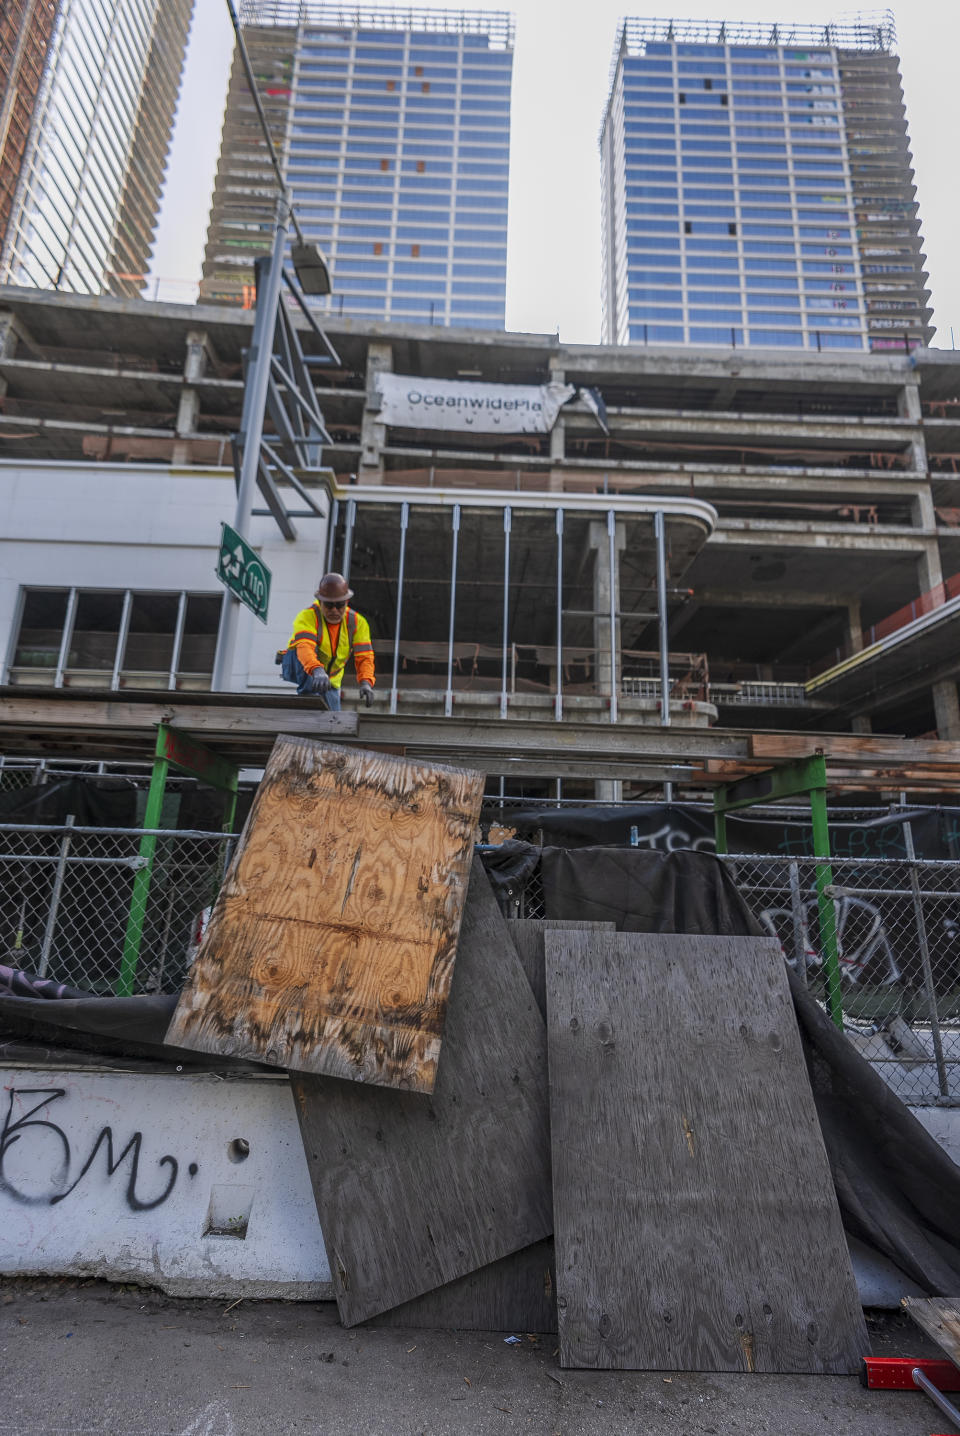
[
  {"x": 399, "y": 160},
  {"x": 729, "y": 212}
]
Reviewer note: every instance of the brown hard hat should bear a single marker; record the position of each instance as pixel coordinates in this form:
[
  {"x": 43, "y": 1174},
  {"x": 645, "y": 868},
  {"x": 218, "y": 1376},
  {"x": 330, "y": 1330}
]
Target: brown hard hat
[{"x": 334, "y": 588}]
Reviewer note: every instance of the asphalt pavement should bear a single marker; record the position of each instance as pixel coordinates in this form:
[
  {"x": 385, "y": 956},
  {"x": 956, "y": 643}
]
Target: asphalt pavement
[{"x": 90, "y": 1359}]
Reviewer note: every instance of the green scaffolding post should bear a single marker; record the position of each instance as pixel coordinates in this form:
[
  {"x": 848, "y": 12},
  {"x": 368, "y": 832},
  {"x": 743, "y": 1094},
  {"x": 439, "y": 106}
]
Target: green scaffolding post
[
  {"x": 200, "y": 762},
  {"x": 807, "y": 777}
]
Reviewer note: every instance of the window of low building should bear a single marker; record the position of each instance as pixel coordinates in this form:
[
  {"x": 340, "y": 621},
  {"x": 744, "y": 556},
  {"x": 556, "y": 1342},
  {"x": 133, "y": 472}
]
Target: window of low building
[{"x": 115, "y": 638}]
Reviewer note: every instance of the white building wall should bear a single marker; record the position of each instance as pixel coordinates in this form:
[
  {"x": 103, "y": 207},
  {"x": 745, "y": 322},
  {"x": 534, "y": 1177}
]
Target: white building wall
[{"x": 146, "y": 526}]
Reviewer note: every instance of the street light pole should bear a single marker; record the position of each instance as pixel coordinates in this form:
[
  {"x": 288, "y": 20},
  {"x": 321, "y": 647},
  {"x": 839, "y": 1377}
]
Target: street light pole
[{"x": 251, "y": 428}]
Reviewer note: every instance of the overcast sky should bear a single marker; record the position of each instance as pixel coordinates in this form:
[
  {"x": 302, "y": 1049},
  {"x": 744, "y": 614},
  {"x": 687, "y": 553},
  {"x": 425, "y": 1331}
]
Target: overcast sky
[{"x": 560, "y": 80}]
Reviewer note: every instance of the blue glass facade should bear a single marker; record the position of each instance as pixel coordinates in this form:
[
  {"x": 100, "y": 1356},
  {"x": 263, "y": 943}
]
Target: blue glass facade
[
  {"x": 729, "y": 213},
  {"x": 398, "y": 157}
]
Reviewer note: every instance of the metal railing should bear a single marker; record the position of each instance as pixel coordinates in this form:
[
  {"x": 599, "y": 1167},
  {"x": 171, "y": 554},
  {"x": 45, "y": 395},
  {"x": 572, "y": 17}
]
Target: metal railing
[{"x": 474, "y": 667}]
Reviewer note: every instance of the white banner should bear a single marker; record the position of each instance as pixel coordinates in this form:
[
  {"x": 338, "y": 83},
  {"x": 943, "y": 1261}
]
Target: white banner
[{"x": 410, "y": 403}]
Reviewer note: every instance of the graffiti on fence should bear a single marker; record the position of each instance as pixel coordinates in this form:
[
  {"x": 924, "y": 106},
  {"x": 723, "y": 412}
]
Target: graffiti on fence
[
  {"x": 671, "y": 839},
  {"x": 24, "y": 1128},
  {"x": 865, "y": 950},
  {"x": 935, "y": 833}
]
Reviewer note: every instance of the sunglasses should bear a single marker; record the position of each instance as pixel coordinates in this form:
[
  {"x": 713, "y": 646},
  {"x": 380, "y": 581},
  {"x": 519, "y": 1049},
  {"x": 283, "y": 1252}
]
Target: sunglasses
[{"x": 339, "y": 603}]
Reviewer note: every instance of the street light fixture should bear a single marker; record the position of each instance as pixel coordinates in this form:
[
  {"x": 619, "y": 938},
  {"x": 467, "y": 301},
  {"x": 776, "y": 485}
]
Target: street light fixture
[{"x": 310, "y": 267}]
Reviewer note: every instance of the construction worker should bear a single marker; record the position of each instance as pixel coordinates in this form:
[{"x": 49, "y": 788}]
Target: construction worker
[{"x": 324, "y": 635}]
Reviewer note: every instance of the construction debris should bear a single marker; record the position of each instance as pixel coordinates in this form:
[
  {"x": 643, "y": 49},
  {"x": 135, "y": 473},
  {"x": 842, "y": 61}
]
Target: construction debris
[{"x": 643, "y": 1093}]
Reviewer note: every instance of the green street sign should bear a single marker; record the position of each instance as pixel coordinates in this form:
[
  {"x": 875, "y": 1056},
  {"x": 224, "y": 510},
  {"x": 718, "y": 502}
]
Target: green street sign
[{"x": 244, "y": 573}]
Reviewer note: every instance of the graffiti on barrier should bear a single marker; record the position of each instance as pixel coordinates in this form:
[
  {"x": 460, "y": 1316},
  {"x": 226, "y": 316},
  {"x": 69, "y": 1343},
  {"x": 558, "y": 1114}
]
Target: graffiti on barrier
[{"x": 25, "y": 1123}]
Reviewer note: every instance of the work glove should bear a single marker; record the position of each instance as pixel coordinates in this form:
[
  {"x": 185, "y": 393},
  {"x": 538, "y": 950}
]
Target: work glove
[
  {"x": 317, "y": 682},
  {"x": 366, "y": 694}
]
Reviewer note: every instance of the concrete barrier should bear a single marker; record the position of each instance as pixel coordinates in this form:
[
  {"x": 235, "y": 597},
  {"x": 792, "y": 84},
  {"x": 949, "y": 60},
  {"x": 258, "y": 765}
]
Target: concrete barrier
[
  {"x": 191, "y": 1183},
  {"x": 198, "y": 1185}
]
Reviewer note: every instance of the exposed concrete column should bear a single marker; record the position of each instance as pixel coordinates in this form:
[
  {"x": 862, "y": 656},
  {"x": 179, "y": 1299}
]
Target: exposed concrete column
[
  {"x": 373, "y": 434},
  {"x": 946, "y": 709},
  {"x": 924, "y": 514},
  {"x": 854, "y": 626},
  {"x": 606, "y": 592},
  {"x": 201, "y": 355},
  {"x": 558, "y": 436},
  {"x": 9, "y": 334},
  {"x": 929, "y": 568},
  {"x": 9, "y": 339},
  {"x": 199, "y": 352},
  {"x": 909, "y": 407},
  {"x": 854, "y": 634},
  {"x": 188, "y": 415}
]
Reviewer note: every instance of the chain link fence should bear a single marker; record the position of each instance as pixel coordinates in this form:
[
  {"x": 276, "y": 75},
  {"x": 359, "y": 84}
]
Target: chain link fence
[
  {"x": 897, "y": 947},
  {"x": 106, "y": 910},
  {"x": 119, "y": 910}
]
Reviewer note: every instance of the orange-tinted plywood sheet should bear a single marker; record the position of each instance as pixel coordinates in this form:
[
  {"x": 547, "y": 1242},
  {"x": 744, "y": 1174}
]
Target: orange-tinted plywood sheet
[{"x": 331, "y": 946}]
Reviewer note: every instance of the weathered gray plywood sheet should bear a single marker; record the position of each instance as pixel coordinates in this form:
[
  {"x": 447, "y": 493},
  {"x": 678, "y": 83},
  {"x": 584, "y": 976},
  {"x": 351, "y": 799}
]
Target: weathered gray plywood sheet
[
  {"x": 414, "y": 1192},
  {"x": 697, "y": 1226},
  {"x": 515, "y": 1294},
  {"x": 518, "y": 1292},
  {"x": 527, "y": 934},
  {"x": 939, "y": 1317}
]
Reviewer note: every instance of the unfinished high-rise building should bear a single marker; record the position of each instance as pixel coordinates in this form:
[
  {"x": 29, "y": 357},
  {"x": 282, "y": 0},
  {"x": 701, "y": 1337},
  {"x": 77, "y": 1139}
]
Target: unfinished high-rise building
[
  {"x": 393, "y": 127},
  {"x": 26, "y": 29},
  {"x": 758, "y": 189},
  {"x": 83, "y": 212}
]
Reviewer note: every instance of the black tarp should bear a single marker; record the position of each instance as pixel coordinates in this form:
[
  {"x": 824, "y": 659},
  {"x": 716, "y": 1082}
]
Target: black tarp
[
  {"x": 14, "y": 982},
  {"x": 644, "y": 891},
  {"x": 129, "y": 1027},
  {"x": 94, "y": 803},
  {"x": 114, "y": 802},
  {"x": 898, "y": 1190},
  {"x": 672, "y": 827}
]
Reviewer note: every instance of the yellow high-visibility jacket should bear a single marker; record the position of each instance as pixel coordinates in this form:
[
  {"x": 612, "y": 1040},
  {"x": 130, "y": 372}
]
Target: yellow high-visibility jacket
[{"x": 328, "y": 645}]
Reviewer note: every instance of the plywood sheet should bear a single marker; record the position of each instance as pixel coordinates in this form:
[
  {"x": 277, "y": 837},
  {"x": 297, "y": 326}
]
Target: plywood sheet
[
  {"x": 939, "y": 1317},
  {"x": 527, "y": 934},
  {"x": 515, "y": 1294},
  {"x": 697, "y": 1227},
  {"x": 414, "y": 1192},
  {"x": 331, "y": 946}
]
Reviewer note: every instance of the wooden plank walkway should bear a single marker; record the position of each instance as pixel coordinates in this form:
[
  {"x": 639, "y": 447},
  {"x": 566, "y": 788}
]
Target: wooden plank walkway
[
  {"x": 697, "y": 1227},
  {"x": 331, "y": 946}
]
